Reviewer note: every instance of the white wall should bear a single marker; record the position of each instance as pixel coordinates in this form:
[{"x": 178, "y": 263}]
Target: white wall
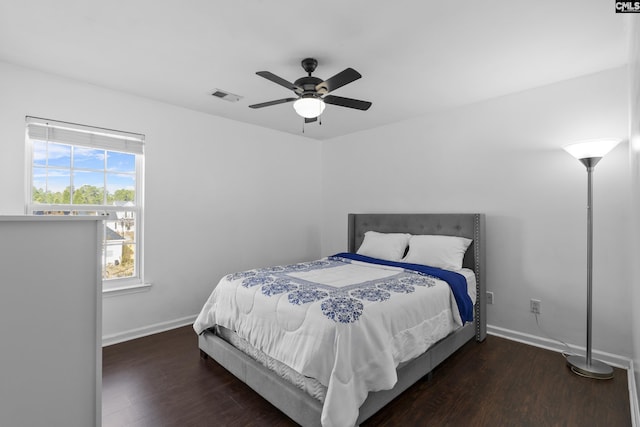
[
  {"x": 217, "y": 194},
  {"x": 634, "y": 155},
  {"x": 503, "y": 157},
  {"x": 220, "y": 195}
]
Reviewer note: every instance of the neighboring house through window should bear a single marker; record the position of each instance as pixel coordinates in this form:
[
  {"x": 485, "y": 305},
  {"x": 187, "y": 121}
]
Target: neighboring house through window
[{"x": 82, "y": 170}]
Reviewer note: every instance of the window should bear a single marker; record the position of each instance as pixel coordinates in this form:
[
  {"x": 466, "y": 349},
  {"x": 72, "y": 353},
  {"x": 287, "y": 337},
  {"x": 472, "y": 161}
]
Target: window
[{"x": 82, "y": 170}]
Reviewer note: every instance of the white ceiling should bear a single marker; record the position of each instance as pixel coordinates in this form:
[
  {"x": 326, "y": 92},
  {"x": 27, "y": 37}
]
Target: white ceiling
[{"x": 415, "y": 56}]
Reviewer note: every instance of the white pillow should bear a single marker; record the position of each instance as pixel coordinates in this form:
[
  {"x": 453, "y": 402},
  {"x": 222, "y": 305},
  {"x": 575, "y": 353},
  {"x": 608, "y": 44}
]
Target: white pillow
[
  {"x": 388, "y": 246},
  {"x": 444, "y": 252}
]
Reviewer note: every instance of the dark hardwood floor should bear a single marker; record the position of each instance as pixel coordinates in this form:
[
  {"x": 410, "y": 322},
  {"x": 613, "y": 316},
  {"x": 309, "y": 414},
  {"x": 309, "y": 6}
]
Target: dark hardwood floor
[{"x": 160, "y": 380}]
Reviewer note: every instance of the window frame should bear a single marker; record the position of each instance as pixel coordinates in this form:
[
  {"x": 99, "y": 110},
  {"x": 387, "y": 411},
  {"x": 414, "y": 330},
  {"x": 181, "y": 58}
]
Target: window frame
[{"x": 132, "y": 143}]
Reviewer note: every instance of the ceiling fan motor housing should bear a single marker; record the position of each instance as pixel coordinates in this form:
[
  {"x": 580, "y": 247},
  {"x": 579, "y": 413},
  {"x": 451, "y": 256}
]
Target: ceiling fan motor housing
[{"x": 308, "y": 85}]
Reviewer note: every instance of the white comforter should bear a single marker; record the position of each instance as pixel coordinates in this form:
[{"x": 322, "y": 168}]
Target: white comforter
[{"x": 346, "y": 323}]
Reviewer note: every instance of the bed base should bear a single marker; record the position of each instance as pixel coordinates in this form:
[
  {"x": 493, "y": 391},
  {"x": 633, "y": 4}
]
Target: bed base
[
  {"x": 301, "y": 407},
  {"x": 304, "y": 409}
]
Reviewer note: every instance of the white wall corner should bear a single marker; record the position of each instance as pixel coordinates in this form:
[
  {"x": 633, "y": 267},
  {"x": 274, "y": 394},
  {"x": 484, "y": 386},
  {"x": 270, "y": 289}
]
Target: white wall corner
[{"x": 633, "y": 396}]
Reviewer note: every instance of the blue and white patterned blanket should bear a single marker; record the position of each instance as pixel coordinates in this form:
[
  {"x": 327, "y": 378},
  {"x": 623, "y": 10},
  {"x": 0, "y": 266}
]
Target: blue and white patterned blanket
[{"x": 346, "y": 320}]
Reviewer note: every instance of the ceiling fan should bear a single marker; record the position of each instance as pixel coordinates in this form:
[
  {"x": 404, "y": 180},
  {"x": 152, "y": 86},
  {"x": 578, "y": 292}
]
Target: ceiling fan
[{"x": 312, "y": 91}]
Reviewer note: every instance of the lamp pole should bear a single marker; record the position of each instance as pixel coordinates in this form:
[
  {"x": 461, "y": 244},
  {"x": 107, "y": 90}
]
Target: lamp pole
[
  {"x": 587, "y": 366},
  {"x": 590, "y": 166}
]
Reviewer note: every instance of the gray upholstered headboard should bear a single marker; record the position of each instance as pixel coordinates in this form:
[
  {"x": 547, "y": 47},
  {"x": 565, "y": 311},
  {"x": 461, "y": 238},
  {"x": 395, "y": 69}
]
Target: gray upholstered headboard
[{"x": 463, "y": 225}]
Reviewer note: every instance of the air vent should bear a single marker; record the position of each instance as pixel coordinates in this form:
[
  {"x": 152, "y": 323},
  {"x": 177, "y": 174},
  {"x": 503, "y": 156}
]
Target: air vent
[{"x": 227, "y": 96}]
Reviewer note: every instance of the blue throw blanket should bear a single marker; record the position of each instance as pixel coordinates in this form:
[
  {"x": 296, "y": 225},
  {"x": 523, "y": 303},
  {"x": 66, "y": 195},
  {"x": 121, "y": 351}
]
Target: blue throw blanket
[{"x": 456, "y": 281}]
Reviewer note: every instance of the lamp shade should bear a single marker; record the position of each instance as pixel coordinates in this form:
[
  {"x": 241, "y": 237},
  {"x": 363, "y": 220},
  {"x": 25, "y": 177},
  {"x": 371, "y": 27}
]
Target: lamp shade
[
  {"x": 593, "y": 148},
  {"x": 309, "y": 107}
]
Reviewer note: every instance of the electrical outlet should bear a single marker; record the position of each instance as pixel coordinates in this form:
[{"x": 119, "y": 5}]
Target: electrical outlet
[
  {"x": 489, "y": 297},
  {"x": 535, "y": 306}
]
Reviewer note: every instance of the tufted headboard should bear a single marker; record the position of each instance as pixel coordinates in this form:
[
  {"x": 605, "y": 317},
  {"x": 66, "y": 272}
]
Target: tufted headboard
[{"x": 462, "y": 225}]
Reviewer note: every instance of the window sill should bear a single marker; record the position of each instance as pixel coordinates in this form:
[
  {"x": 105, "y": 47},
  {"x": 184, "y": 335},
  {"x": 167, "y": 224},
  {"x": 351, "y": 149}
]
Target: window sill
[{"x": 125, "y": 290}]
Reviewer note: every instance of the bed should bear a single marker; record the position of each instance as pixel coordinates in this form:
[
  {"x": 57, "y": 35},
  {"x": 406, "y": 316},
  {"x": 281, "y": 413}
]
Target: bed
[{"x": 303, "y": 402}]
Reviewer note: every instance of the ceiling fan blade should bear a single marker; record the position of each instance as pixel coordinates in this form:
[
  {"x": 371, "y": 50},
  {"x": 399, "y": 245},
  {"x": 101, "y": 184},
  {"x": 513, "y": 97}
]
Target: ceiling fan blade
[
  {"x": 347, "y": 102},
  {"x": 310, "y": 120},
  {"x": 279, "y": 80},
  {"x": 269, "y": 103},
  {"x": 339, "y": 80}
]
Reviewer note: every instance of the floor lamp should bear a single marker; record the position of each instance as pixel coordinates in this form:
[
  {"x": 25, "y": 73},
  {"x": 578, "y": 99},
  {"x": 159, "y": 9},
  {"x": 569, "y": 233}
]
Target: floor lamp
[{"x": 590, "y": 153}]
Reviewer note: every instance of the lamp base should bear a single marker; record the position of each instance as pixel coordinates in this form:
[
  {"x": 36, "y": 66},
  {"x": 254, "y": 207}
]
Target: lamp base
[{"x": 596, "y": 369}]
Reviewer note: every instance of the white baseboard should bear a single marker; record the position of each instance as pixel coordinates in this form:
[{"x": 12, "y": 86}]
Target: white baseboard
[
  {"x": 549, "y": 344},
  {"x": 146, "y": 330}
]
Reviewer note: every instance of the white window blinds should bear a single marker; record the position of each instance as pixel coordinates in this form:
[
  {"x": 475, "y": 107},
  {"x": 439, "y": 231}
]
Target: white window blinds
[{"x": 70, "y": 133}]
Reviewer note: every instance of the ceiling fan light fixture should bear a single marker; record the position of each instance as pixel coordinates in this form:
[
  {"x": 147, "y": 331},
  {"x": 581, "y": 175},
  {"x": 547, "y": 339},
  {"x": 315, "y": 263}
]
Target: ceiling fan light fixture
[{"x": 309, "y": 107}]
